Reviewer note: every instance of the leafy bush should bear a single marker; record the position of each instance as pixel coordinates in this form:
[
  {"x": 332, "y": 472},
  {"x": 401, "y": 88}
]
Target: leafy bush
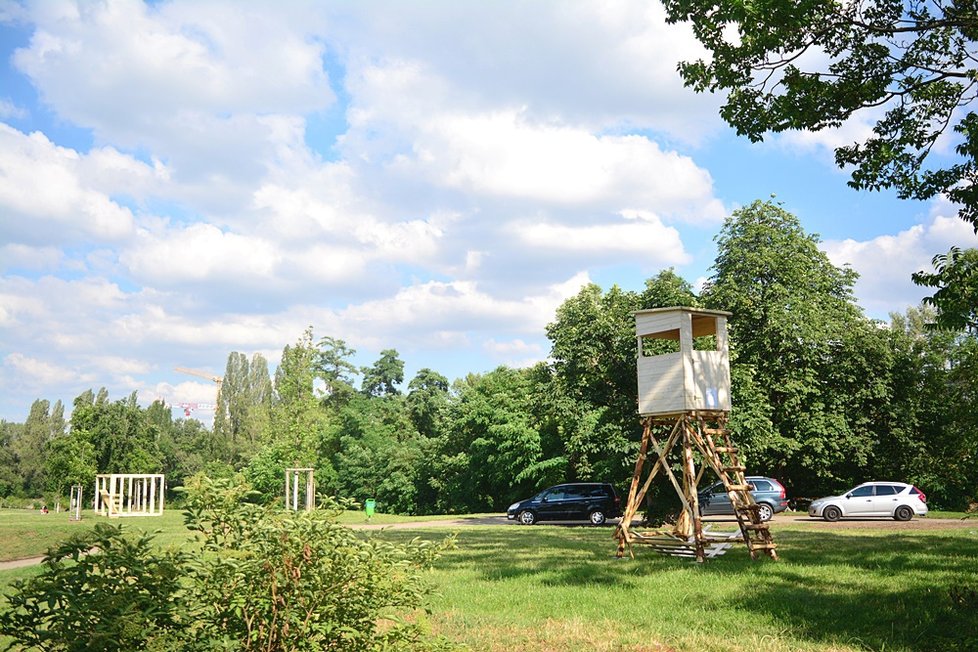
[
  {"x": 122, "y": 596},
  {"x": 263, "y": 579}
]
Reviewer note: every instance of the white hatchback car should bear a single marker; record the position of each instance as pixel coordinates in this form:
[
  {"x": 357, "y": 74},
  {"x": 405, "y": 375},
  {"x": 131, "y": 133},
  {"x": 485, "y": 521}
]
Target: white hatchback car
[{"x": 894, "y": 499}]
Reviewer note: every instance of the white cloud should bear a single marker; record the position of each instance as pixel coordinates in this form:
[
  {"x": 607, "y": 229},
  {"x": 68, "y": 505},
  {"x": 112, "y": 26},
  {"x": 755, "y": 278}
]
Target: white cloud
[
  {"x": 27, "y": 257},
  {"x": 661, "y": 245},
  {"x": 10, "y": 110},
  {"x": 44, "y": 198},
  {"x": 600, "y": 64},
  {"x": 200, "y": 252},
  {"x": 515, "y": 353},
  {"x": 886, "y": 262},
  {"x": 121, "y": 67},
  {"x": 420, "y": 311},
  {"x": 38, "y": 373},
  {"x": 509, "y": 154}
]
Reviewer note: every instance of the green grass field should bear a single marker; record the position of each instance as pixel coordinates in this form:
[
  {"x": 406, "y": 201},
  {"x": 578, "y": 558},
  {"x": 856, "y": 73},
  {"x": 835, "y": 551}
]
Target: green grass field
[{"x": 549, "y": 588}]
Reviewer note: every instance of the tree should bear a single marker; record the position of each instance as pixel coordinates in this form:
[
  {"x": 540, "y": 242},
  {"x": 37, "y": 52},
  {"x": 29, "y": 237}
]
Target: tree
[
  {"x": 333, "y": 366},
  {"x": 915, "y": 59},
  {"x": 594, "y": 380},
  {"x": 69, "y": 460},
  {"x": 383, "y": 377},
  {"x": 299, "y": 422},
  {"x": 29, "y": 447},
  {"x": 934, "y": 442},
  {"x": 956, "y": 300},
  {"x": 812, "y": 65},
  {"x": 427, "y": 399},
  {"x": 10, "y": 480},
  {"x": 807, "y": 361},
  {"x": 243, "y": 402},
  {"x": 124, "y": 437}
]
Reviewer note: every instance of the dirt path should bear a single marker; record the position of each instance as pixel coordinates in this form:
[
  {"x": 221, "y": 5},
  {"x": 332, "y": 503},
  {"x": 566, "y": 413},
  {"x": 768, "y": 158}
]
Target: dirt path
[{"x": 20, "y": 563}]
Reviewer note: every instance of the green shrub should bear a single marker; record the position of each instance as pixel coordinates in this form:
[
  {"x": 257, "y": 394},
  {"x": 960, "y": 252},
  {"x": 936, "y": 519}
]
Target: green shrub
[
  {"x": 261, "y": 578},
  {"x": 122, "y": 596}
]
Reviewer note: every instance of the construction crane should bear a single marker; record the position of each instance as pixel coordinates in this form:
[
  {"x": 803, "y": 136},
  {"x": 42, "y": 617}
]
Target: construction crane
[
  {"x": 217, "y": 380},
  {"x": 188, "y": 408},
  {"x": 203, "y": 374}
]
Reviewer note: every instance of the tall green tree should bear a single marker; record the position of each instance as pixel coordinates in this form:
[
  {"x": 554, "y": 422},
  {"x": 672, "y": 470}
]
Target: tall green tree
[
  {"x": 380, "y": 453},
  {"x": 384, "y": 375},
  {"x": 335, "y": 367},
  {"x": 299, "y": 423},
  {"x": 29, "y": 447},
  {"x": 800, "y": 342},
  {"x": 594, "y": 377},
  {"x": 491, "y": 439},
  {"x": 244, "y": 402},
  {"x": 427, "y": 400},
  {"x": 934, "y": 442},
  {"x": 10, "y": 480}
]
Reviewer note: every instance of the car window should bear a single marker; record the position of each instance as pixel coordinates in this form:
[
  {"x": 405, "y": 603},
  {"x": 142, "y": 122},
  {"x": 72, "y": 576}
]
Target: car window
[
  {"x": 555, "y": 494},
  {"x": 862, "y": 492},
  {"x": 887, "y": 490},
  {"x": 761, "y": 485},
  {"x": 598, "y": 492},
  {"x": 574, "y": 492}
]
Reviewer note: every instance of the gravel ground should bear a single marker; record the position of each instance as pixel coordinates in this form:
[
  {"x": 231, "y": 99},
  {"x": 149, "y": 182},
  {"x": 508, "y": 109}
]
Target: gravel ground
[{"x": 917, "y": 523}]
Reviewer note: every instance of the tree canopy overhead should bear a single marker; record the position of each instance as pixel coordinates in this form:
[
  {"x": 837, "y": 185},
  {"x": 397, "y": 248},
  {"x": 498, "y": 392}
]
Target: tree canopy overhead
[{"x": 813, "y": 64}]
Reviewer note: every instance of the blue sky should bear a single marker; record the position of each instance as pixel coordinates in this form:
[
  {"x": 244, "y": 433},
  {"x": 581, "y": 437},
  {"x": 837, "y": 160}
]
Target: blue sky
[{"x": 181, "y": 180}]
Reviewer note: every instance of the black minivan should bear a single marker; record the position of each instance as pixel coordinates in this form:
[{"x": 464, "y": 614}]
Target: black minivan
[{"x": 577, "y": 501}]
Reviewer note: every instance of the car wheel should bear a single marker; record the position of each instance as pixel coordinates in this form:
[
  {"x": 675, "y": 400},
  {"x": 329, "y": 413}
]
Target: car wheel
[
  {"x": 903, "y": 513},
  {"x": 527, "y": 517},
  {"x": 831, "y": 513},
  {"x": 764, "y": 512},
  {"x": 597, "y": 517}
]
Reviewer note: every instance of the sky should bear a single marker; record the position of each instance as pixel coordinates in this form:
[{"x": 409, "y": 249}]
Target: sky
[{"x": 184, "y": 179}]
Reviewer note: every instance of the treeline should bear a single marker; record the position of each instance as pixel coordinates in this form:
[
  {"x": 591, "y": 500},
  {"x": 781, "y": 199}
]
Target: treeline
[{"x": 823, "y": 398}]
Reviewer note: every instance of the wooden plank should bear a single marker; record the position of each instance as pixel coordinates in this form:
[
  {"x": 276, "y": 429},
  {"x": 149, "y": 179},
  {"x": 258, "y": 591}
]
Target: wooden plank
[{"x": 646, "y": 324}]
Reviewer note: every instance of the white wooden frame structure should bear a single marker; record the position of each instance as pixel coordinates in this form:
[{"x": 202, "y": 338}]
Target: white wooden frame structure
[
  {"x": 689, "y": 379},
  {"x": 292, "y": 488},
  {"x": 129, "y": 494}
]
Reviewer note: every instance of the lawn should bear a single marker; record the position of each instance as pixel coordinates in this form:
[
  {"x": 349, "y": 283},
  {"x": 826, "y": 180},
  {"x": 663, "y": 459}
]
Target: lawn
[{"x": 550, "y": 588}]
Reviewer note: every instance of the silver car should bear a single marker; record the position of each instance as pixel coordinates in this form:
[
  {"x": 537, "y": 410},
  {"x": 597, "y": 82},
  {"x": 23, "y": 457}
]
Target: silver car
[{"x": 897, "y": 500}]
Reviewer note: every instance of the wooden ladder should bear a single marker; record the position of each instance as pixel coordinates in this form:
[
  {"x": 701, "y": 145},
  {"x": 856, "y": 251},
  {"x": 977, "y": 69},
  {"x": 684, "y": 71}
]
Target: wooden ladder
[{"x": 721, "y": 454}]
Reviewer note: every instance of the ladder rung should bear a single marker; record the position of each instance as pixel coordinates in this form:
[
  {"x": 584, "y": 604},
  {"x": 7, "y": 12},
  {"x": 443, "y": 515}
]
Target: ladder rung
[
  {"x": 756, "y": 526},
  {"x": 725, "y": 449},
  {"x": 731, "y": 469},
  {"x": 738, "y": 487},
  {"x": 715, "y": 431},
  {"x": 762, "y": 546}
]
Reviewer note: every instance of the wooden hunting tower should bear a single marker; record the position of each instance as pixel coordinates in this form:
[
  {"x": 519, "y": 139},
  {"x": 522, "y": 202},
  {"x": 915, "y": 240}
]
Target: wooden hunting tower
[
  {"x": 684, "y": 402},
  {"x": 697, "y": 375}
]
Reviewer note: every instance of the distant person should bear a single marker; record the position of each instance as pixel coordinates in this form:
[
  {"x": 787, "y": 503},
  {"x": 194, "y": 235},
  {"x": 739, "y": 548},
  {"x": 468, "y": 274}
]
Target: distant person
[{"x": 44, "y": 509}]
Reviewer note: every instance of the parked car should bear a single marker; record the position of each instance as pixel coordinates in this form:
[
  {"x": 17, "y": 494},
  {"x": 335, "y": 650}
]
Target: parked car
[
  {"x": 579, "y": 501},
  {"x": 768, "y": 493},
  {"x": 898, "y": 500}
]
